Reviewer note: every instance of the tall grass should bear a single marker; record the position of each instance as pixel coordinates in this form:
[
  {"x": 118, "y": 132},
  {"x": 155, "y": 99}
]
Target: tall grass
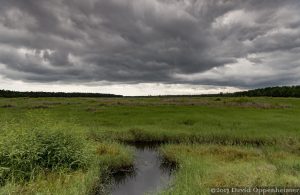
[
  {"x": 25, "y": 154},
  {"x": 205, "y": 166},
  {"x": 142, "y": 135}
]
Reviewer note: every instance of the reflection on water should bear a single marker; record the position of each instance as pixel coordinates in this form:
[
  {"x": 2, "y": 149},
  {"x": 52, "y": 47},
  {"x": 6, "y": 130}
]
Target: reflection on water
[{"x": 149, "y": 176}]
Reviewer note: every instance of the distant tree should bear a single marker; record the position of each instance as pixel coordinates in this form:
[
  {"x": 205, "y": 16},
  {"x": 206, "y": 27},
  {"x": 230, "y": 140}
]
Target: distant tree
[
  {"x": 284, "y": 91},
  {"x": 12, "y": 94}
]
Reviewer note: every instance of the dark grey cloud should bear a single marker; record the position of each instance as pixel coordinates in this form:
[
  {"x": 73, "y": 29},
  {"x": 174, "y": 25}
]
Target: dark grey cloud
[{"x": 242, "y": 43}]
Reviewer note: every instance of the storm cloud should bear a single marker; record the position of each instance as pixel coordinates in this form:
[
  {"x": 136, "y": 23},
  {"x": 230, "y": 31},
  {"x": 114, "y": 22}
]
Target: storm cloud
[{"x": 235, "y": 43}]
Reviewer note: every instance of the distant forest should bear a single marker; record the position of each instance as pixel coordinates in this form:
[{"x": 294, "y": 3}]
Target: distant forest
[
  {"x": 11, "y": 94},
  {"x": 285, "y": 91}
]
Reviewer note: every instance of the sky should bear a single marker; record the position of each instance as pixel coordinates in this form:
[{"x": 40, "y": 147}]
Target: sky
[{"x": 149, "y": 47}]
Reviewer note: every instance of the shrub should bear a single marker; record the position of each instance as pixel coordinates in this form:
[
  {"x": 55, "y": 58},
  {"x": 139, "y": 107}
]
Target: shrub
[{"x": 22, "y": 156}]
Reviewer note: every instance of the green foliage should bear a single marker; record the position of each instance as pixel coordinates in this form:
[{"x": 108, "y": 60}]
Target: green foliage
[
  {"x": 11, "y": 94},
  {"x": 285, "y": 91},
  {"x": 25, "y": 154},
  {"x": 238, "y": 127},
  {"x": 205, "y": 166}
]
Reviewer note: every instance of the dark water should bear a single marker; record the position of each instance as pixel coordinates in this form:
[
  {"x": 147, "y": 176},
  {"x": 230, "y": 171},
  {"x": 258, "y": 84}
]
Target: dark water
[{"x": 148, "y": 176}]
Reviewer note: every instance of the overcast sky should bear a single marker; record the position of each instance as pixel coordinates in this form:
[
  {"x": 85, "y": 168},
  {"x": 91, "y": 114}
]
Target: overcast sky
[{"x": 142, "y": 47}]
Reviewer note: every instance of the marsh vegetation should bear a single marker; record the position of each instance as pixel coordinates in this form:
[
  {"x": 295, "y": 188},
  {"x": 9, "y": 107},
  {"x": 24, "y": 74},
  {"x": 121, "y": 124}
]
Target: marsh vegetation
[{"x": 73, "y": 145}]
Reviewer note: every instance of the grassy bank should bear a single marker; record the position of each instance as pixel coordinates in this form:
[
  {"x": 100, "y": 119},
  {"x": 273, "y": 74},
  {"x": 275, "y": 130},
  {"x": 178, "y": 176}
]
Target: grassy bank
[
  {"x": 215, "y": 141},
  {"x": 205, "y": 166},
  {"x": 58, "y": 162}
]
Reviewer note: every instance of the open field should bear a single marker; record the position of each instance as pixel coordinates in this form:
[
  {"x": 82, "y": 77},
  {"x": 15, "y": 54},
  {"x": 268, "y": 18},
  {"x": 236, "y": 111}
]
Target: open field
[{"x": 68, "y": 145}]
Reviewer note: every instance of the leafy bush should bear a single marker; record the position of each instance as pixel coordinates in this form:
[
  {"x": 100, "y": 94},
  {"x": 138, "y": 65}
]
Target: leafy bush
[{"x": 23, "y": 155}]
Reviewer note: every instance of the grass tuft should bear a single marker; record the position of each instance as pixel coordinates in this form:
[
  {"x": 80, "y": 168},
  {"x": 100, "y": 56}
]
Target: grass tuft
[{"x": 24, "y": 155}]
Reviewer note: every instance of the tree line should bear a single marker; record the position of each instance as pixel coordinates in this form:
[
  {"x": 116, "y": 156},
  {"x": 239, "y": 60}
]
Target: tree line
[
  {"x": 285, "y": 91},
  {"x": 12, "y": 94}
]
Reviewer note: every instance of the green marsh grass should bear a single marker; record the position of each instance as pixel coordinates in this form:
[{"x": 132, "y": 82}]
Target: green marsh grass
[
  {"x": 215, "y": 142},
  {"x": 205, "y": 166},
  {"x": 24, "y": 154}
]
